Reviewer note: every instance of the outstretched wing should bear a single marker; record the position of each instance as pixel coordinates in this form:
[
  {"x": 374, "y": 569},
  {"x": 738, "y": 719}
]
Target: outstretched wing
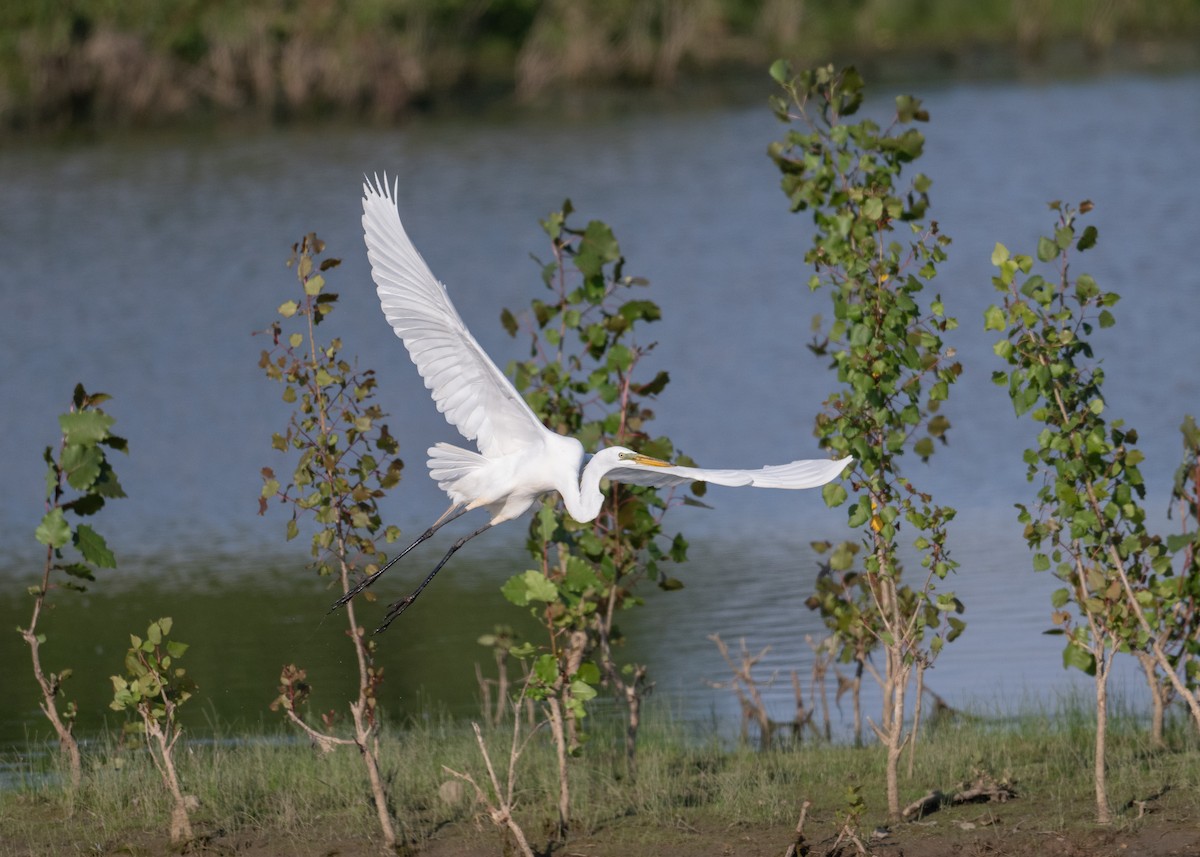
[
  {"x": 633, "y": 469},
  {"x": 468, "y": 388}
]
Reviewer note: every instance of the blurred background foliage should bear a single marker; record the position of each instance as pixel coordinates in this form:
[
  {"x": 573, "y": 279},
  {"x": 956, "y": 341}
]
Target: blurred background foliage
[{"x": 80, "y": 63}]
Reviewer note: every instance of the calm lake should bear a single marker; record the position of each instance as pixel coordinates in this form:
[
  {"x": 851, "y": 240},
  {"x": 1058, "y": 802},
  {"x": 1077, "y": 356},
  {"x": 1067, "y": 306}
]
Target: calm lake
[{"x": 141, "y": 266}]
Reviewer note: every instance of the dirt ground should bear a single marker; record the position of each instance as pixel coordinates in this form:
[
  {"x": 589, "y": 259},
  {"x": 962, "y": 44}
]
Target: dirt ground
[{"x": 987, "y": 835}]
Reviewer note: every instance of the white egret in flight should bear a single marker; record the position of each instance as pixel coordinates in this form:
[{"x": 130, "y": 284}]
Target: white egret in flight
[{"x": 519, "y": 459}]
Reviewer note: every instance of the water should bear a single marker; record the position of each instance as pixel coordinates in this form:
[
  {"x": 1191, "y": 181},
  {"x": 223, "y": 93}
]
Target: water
[{"x": 140, "y": 266}]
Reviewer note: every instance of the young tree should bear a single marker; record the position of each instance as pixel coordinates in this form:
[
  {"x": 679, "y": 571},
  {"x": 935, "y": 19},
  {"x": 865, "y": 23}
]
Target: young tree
[
  {"x": 153, "y": 687},
  {"x": 889, "y": 356},
  {"x": 346, "y": 461},
  {"x": 1089, "y": 523},
  {"x": 581, "y": 380},
  {"x": 79, "y": 480}
]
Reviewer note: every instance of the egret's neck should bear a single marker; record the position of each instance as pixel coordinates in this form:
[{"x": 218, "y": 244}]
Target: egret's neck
[{"x": 583, "y": 500}]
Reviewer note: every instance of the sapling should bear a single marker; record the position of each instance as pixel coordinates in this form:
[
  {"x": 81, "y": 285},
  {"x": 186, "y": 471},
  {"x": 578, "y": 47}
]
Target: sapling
[
  {"x": 873, "y": 252},
  {"x": 581, "y": 379},
  {"x": 79, "y": 480},
  {"x": 153, "y": 688},
  {"x": 1088, "y": 524},
  {"x": 345, "y": 461}
]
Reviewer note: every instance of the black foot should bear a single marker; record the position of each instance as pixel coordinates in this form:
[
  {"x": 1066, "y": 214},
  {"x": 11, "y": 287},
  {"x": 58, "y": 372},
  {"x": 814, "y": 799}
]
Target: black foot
[
  {"x": 394, "y": 611},
  {"x": 345, "y": 599}
]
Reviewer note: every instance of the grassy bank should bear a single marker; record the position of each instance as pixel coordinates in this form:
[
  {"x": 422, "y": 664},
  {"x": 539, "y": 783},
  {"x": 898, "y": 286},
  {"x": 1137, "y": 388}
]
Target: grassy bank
[
  {"x": 267, "y": 793},
  {"x": 96, "y": 62}
]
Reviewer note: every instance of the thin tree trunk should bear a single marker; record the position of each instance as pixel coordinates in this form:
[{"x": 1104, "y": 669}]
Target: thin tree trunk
[
  {"x": 895, "y": 737},
  {"x": 1103, "y": 815},
  {"x": 560, "y": 744},
  {"x": 633, "y": 699},
  {"x": 856, "y": 701},
  {"x": 818, "y": 688},
  {"x": 181, "y": 825},
  {"x": 501, "y": 687},
  {"x": 1157, "y": 701},
  {"x": 66, "y": 740},
  {"x": 365, "y": 734},
  {"x": 920, "y": 692},
  {"x": 368, "y": 745}
]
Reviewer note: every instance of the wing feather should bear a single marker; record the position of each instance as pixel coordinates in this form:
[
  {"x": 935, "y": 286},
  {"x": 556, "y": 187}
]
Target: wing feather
[
  {"x": 467, "y": 387},
  {"x": 798, "y": 474}
]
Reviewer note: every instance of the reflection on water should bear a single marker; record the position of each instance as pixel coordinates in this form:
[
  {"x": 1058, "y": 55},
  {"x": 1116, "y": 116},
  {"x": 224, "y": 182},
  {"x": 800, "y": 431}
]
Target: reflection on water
[{"x": 141, "y": 266}]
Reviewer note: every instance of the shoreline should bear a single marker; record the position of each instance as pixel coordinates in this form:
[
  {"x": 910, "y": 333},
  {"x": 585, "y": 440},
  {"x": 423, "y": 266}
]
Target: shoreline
[{"x": 258, "y": 65}]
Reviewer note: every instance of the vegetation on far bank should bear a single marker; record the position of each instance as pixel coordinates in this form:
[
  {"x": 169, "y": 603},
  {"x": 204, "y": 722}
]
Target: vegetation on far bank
[{"x": 97, "y": 63}]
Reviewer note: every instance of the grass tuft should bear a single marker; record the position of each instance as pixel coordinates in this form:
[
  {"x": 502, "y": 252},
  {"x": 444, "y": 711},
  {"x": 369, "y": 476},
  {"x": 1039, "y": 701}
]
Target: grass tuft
[{"x": 266, "y": 789}]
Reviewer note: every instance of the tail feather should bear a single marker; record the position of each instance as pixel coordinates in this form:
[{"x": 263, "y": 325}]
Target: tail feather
[{"x": 452, "y": 467}]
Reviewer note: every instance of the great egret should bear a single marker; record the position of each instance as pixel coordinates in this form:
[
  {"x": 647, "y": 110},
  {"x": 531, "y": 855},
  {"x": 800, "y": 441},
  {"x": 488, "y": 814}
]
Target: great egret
[{"x": 519, "y": 459}]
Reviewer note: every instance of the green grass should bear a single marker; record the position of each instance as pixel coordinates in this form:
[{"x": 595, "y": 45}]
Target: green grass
[{"x": 270, "y": 788}]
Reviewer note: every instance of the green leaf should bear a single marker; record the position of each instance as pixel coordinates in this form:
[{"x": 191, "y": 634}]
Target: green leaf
[
  {"x": 287, "y": 309},
  {"x": 85, "y": 504},
  {"x": 579, "y": 575},
  {"x": 85, "y": 427},
  {"x": 993, "y": 318},
  {"x": 588, "y": 673},
  {"x": 54, "y": 530},
  {"x": 93, "y": 547},
  {"x": 859, "y": 513},
  {"x": 529, "y": 586},
  {"x": 597, "y": 248},
  {"x": 1000, "y": 254},
  {"x": 1081, "y": 659},
  {"x": 81, "y": 463},
  {"x": 1046, "y": 249},
  {"x": 546, "y": 669},
  {"x": 582, "y": 691},
  {"x": 834, "y": 494},
  {"x": 78, "y": 570}
]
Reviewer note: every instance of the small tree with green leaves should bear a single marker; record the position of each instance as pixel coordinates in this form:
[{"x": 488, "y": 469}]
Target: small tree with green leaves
[
  {"x": 581, "y": 379},
  {"x": 153, "y": 688},
  {"x": 346, "y": 460},
  {"x": 79, "y": 480},
  {"x": 873, "y": 252},
  {"x": 1088, "y": 524}
]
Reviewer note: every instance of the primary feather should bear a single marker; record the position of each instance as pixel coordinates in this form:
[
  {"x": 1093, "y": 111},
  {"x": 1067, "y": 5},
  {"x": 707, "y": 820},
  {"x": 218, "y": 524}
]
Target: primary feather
[{"x": 468, "y": 388}]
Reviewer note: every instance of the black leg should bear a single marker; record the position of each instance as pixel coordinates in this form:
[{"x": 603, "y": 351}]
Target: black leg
[
  {"x": 442, "y": 521},
  {"x": 402, "y": 605}
]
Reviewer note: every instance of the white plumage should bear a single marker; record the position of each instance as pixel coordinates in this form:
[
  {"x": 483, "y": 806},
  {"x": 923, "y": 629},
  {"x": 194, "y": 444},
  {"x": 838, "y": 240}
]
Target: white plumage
[{"x": 519, "y": 459}]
